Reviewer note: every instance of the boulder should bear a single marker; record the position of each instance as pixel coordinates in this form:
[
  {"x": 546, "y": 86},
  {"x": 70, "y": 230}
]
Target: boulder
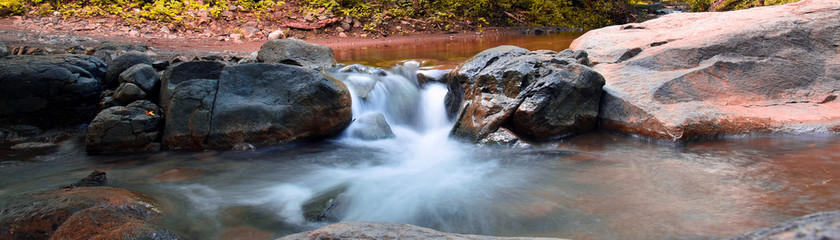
[
  {"x": 684, "y": 76},
  {"x": 80, "y": 213},
  {"x": 268, "y": 104},
  {"x": 132, "y": 128},
  {"x": 504, "y": 138},
  {"x": 121, "y": 63},
  {"x": 144, "y": 76},
  {"x": 4, "y": 51},
  {"x": 128, "y": 93},
  {"x": 536, "y": 95},
  {"x": 188, "y": 114},
  {"x": 824, "y": 225},
  {"x": 372, "y": 126},
  {"x": 297, "y": 52},
  {"x": 369, "y": 230},
  {"x": 49, "y": 90},
  {"x": 185, "y": 71}
]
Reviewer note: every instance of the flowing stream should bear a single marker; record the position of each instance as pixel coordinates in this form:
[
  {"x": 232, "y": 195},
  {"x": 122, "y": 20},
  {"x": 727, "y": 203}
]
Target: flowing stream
[{"x": 592, "y": 186}]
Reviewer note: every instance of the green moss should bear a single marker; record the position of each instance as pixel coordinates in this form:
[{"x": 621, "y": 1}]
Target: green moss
[{"x": 11, "y": 7}]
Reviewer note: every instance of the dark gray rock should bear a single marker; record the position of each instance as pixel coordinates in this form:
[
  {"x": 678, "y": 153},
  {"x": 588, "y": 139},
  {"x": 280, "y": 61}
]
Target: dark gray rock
[
  {"x": 268, "y": 104},
  {"x": 503, "y": 137},
  {"x": 4, "y": 51},
  {"x": 160, "y": 65},
  {"x": 121, "y": 63},
  {"x": 125, "y": 129},
  {"x": 368, "y": 230},
  {"x": 49, "y": 90},
  {"x": 371, "y": 127},
  {"x": 824, "y": 225},
  {"x": 684, "y": 77},
  {"x": 188, "y": 114},
  {"x": 127, "y": 93},
  {"x": 185, "y": 71},
  {"x": 536, "y": 95},
  {"x": 144, "y": 76},
  {"x": 297, "y": 52}
]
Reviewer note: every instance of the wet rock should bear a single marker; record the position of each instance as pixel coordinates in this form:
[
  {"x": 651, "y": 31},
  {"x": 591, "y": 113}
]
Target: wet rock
[
  {"x": 536, "y": 95},
  {"x": 49, "y": 90},
  {"x": 268, "y": 104},
  {"x": 243, "y": 147},
  {"x": 188, "y": 114},
  {"x": 178, "y": 175},
  {"x": 96, "y": 178},
  {"x": 110, "y": 223},
  {"x": 371, "y": 127},
  {"x": 128, "y": 93},
  {"x": 368, "y": 230},
  {"x": 185, "y": 71},
  {"x": 297, "y": 52},
  {"x": 121, "y": 63},
  {"x": 125, "y": 129},
  {"x": 144, "y": 76},
  {"x": 824, "y": 225},
  {"x": 683, "y": 77},
  {"x": 31, "y": 145},
  {"x": 4, "y": 51},
  {"x": 503, "y": 137},
  {"x": 42, "y": 215}
]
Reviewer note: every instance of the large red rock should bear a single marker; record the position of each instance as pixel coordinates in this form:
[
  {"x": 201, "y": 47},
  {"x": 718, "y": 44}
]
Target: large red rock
[{"x": 699, "y": 75}]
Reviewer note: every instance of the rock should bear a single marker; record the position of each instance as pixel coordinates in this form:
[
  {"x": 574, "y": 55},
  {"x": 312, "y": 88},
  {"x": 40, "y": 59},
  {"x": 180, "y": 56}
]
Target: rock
[
  {"x": 121, "y": 47},
  {"x": 160, "y": 65},
  {"x": 268, "y": 104},
  {"x": 369, "y": 230},
  {"x": 276, "y": 34},
  {"x": 4, "y": 51},
  {"x": 684, "y": 77},
  {"x": 185, "y": 71},
  {"x": 503, "y": 137},
  {"x": 297, "y": 52},
  {"x": 43, "y": 215},
  {"x": 188, "y": 114},
  {"x": 121, "y": 63},
  {"x": 97, "y": 178},
  {"x": 128, "y": 92},
  {"x": 178, "y": 175},
  {"x": 50, "y": 90},
  {"x": 371, "y": 127},
  {"x": 243, "y": 147},
  {"x": 250, "y": 32},
  {"x": 31, "y": 145},
  {"x": 536, "y": 95},
  {"x": 144, "y": 76},
  {"x": 824, "y": 225},
  {"x": 124, "y": 129}
]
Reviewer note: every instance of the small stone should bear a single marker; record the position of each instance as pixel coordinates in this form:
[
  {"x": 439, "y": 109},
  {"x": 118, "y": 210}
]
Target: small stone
[
  {"x": 276, "y": 34},
  {"x": 342, "y": 35},
  {"x": 243, "y": 147},
  {"x": 128, "y": 92}
]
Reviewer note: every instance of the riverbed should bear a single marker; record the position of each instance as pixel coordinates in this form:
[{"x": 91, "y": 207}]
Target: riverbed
[{"x": 597, "y": 185}]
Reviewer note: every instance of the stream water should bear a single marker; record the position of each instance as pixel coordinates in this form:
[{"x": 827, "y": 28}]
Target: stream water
[{"x": 592, "y": 186}]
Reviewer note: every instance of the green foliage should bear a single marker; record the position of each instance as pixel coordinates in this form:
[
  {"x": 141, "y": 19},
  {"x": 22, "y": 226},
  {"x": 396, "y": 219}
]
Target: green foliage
[
  {"x": 729, "y": 5},
  {"x": 572, "y": 13},
  {"x": 11, "y": 7},
  {"x": 699, "y": 5}
]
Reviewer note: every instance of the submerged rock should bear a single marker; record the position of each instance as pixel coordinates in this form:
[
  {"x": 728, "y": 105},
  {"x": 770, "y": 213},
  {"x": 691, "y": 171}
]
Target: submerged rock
[
  {"x": 96, "y": 178},
  {"x": 297, "y": 52},
  {"x": 536, "y": 95},
  {"x": 132, "y": 128},
  {"x": 824, "y": 225},
  {"x": 372, "y": 126},
  {"x": 49, "y": 90},
  {"x": 368, "y": 230},
  {"x": 684, "y": 77},
  {"x": 80, "y": 213}
]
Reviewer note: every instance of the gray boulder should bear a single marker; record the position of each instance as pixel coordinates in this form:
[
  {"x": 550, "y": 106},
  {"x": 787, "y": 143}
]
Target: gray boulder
[
  {"x": 268, "y": 104},
  {"x": 369, "y": 230},
  {"x": 188, "y": 114},
  {"x": 133, "y": 128},
  {"x": 824, "y": 225},
  {"x": 185, "y": 71},
  {"x": 690, "y": 76},
  {"x": 4, "y": 51},
  {"x": 371, "y": 127},
  {"x": 144, "y": 76},
  {"x": 121, "y": 63},
  {"x": 536, "y": 95},
  {"x": 128, "y": 92},
  {"x": 50, "y": 90},
  {"x": 297, "y": 52}
]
